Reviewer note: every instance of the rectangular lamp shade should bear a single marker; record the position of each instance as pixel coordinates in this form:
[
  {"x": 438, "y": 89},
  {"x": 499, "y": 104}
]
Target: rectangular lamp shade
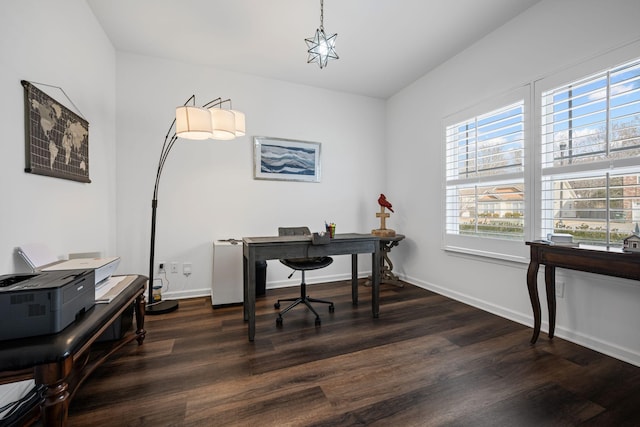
[
  {"x": 193, "y": 123},
  {"x": 223, "y": 124},
  {"x": 240, "y": 126}
]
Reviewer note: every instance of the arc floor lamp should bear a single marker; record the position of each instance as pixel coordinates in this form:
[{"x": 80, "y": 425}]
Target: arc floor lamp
[{"x": 210, "y": 121}]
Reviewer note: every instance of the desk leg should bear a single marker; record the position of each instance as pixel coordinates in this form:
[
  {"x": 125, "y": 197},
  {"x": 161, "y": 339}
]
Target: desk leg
[
  {"x": 532, "y": 285},
  {"x": 139, "y": 307},
  {"x": 354, "y": 279},
  {"x": 387, "y": 265},
  {"x": 550, "y": 282},
  {"x": 245, "y": 281},
  {"x": 250, "y": 293},
  {"x": 375, "y": 282}
]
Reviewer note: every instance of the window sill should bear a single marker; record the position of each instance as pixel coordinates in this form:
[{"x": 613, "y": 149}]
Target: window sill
[{"x": 495, "y": 257}]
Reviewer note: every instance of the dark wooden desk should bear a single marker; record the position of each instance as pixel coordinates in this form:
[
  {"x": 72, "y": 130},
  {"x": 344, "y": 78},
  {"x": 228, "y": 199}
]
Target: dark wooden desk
[
  {"x": 386, "y": 266},
  {"x": 386, "y": 244},
  {"x": 609, "y": 263},
  {"x": 277, "y": 247},
  {"x": 61, "y": 362}
]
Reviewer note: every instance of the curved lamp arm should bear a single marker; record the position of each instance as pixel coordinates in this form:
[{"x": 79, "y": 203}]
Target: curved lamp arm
[{"x": 169, "y": 140}]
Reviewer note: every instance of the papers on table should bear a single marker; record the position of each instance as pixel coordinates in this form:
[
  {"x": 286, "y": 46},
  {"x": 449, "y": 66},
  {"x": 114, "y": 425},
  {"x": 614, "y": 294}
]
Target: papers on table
[
  {"x": 12, "y": 393},
  {"x": 110, "y": 288}
]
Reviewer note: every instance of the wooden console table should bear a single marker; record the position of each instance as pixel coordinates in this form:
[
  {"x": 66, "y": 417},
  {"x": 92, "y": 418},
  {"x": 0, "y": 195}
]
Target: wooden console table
[
  {"x": 61, "y": 362},
  {"x": 265, "y": 248},
  {"x": 606, "y": 262}
]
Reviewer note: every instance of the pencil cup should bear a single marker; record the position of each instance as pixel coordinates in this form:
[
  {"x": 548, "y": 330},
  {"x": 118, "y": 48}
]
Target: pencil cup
[{"x": 331, "y": 229}]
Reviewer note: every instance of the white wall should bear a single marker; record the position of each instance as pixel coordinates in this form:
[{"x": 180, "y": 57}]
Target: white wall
[
  {"x": 58, "y": 43},
  {"x": 598, "y": 312},
  {"x": 207, "y": 190}
]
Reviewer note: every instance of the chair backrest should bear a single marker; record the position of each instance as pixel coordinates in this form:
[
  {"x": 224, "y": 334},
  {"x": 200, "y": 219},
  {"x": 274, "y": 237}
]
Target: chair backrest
[
  {"x": 303, "y": 264},
  {"x": 294, "y": 231}
]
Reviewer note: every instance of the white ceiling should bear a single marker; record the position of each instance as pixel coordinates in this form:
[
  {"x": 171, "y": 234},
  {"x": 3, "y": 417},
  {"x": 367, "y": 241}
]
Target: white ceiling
[{"x": 384, "y": 45}]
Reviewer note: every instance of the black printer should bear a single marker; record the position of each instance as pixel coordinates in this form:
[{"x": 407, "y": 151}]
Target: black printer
[{"x": 43, "y": 303}]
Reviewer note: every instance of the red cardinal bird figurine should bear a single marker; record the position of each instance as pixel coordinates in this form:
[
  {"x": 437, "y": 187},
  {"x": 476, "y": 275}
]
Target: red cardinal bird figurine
[{"x": 382, "y": 201}]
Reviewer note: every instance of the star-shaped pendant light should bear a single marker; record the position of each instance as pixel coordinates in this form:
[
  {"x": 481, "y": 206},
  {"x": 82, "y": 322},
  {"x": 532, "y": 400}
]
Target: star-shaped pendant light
[{"x": 321, "y": 47}]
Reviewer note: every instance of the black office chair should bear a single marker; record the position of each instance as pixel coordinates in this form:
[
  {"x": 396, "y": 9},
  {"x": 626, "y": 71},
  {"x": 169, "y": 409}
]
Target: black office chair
[{"x": 302, "y": 264}]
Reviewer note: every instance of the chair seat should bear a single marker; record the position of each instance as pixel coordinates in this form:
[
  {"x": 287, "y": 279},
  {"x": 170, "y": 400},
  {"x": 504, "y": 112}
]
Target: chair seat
[{"x": 307, "y": 263}]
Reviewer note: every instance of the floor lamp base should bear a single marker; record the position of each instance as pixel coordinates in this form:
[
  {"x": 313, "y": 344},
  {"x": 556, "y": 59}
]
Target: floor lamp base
[{"x": 161, "y": 307}]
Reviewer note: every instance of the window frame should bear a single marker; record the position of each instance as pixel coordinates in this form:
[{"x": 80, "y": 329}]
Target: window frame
[
  {"x": 516, "y": 250},
  {"x": 576, "y": 73},
  {"x": 509, "y": 249}
]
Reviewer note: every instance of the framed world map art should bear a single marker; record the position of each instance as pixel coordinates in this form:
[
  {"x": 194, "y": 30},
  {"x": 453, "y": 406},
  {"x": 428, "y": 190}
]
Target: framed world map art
[{"x": 57, "y": 139}]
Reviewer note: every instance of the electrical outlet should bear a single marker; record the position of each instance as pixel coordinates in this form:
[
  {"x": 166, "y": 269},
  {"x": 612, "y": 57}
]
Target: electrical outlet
[
  {"x": 174, "y": 267},
  {"x": 186, "y": 268},
  {"x": 560, "y": 289},
  {"x": 161, "y": 267}
]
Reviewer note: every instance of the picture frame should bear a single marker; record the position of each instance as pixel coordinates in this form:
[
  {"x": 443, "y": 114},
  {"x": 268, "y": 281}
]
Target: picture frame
[
  {"x": 56, "y": 138},
  {"x": 286, "y": 159}
]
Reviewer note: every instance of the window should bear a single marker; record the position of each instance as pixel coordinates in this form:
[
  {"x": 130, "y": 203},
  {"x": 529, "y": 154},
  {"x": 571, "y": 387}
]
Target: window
[
  {"x": 485, "y": 164},
  {"x": 576, "y": 172},
  {"x": 590, "y": 178}
]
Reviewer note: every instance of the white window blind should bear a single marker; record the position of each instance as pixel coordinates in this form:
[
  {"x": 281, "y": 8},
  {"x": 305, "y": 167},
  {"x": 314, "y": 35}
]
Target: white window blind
[
  {"x": 495, "y": 211},
  {"x": 487, "y": 145},
  {"x": 485, "y": 170},
  {"x": 590, "y": 172}
]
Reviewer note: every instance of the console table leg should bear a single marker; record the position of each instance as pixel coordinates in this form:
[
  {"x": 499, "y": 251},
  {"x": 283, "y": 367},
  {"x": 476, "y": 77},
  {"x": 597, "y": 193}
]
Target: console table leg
[
  {"x": 532, "y": 285},
  {"x": 55, "y": 407},
  {"x": 550, "y": 282}
]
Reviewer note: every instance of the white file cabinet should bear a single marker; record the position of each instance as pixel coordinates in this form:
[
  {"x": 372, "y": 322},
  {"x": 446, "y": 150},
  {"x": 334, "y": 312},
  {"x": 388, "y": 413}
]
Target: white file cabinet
[{"x": 226, "y": 286}]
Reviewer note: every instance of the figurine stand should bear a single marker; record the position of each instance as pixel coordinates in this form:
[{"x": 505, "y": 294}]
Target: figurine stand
[{"x": 383, "y": 231}]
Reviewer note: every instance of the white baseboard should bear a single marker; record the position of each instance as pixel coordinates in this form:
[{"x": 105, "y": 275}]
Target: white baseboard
[
  {"x": 194, "y": 293},
  {"x": 191, "y": 293},
  {"x": 311, "y": 280}
]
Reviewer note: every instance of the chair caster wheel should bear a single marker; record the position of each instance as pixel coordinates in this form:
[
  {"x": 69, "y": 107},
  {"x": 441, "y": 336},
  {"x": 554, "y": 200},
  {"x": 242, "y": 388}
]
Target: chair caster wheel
[
  {"x": 279, "y": 321},
  {"x": 331, "y": 309},
  {"x": 318, "y": 321},
  {"x": 276, "y": 305}
]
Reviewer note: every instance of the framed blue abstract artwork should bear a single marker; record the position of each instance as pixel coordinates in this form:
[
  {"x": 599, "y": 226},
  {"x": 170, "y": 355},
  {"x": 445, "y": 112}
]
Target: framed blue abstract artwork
[{"x": 286, "y": 159}]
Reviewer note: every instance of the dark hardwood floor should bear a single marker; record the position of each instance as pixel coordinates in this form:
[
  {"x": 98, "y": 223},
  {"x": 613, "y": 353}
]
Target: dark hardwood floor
[{"x": 427, "y": 361}]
